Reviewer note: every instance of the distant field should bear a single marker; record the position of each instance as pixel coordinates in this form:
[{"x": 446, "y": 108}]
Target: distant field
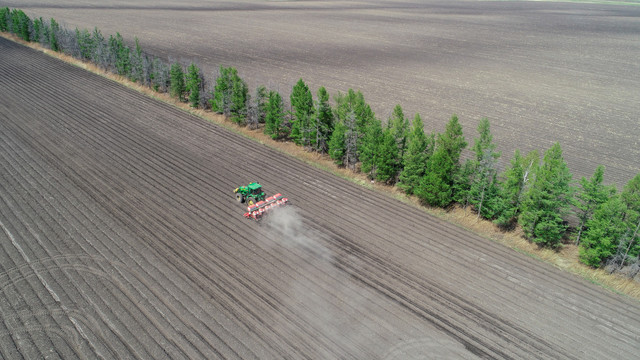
[{"x": 540, "y": 71}]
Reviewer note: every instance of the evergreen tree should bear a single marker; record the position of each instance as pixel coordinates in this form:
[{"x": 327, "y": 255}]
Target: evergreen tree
[
  {"x": 337, "y": 143},
  {"x": 302, "y": 104},
  {"x": 351, "y": 141},
  {"x": 137, "y": 64},
  {"x": 177, "y": 81},
  {"x": 462, "y": 180},
  {"x": 484, "y": 190},
  {"x": 85, "y": 43},
  {"x": 323, "y": 120},
  {"x": 343, "y": 146},
  {"x": 53, "y": 35},
  {"x": 274, "y": 117},
  {"x": 21, "y": 24},
  {"x": 631, "y": 197},
  {"x": 436, "y": 188},
  {"x": 99, "y": 54},
  {"x": 419, "y": 150},
  {"x": 194, "y": 80},
  {"x": 356, "y": 114},
  {"x": 121, "y": 53},
  {"x": 4, "y": 18},
  {"x": 590, "y": 196},
  {"x": 354, "y": 102},
  {"x": 399, "y": 125},
  {"x": 603, "y": 231},
  {"x": 230, "y": 94},
  {"x": 370, "y": 149},
  {"x": 629, "y": 246},
  {"x": 38, "y": 26},
  {"x": 548, "y": 201},
  {"x": 239, "y": 94},
  {"x": 515, "y": 183},
  {"x": 388, "y": 157}
]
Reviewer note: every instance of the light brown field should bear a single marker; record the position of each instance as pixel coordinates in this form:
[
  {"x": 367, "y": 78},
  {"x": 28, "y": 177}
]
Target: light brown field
[{"x": 540, "y": 71}]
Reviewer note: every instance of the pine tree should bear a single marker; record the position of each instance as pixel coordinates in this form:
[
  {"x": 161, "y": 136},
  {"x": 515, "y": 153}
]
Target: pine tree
[
  {"x": 548, "y": 201},
  {"x": 4, "y": 18},
  {"x": 631, "y": 196},
  {"x": 352, "y": 105},
  {"x": 462, "y": 180},
  {"x": 194, "y": 80},
  {"x": 177, "y": 81},
  {"x": 388, "y": 157},
  {"x": 99, "y": 54},
  {"x": 85, "y": 42},
  {"x": 483, "y": 191},
  {"x": 230, "y": 94},
  {"x": 419, "y": 150},
  {"x": 53, "y": 35},
  {"x": 515, "y": 183},
  {"x": 337, "y": 143},
  {"x": 121, "y": 53},
  {"x": 274, "y": 117},
  {"x": 323, "y": 120},
  {"x": 21, "y": 24},
  {"x": 38, "y": 26},
  {"x": 351, "y": 141},
  {"x": 239, "y": 93},
  {"x": 399, "y": 125},
  {"x": 629, "y": 245},
  {"x": 370, "y": 149},
  {"x": 603, "y": 232},
  {"x": 590, "y": 196},
  {"x": 436, "y": 188},
  {"x": 302, "y": 104}
]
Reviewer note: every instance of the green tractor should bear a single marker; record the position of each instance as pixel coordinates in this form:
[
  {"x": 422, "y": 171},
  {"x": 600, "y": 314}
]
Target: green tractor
[{"x": 251, "y": 193}]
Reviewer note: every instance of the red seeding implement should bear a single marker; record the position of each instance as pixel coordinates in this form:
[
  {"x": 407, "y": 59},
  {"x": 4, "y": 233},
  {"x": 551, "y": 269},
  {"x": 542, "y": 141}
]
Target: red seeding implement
[{"x": 261, "y": 208}]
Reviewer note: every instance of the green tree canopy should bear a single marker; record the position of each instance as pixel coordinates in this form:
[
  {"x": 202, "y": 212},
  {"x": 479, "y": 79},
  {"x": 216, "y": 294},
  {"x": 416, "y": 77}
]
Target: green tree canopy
[
  {"x": 177, "y": 81},
  {"x": 590, "y": 196},
  {"x": 370, "y": 149},
  {"x": 419, "y": 149},
  {"x": 436, "y": 188},
  {"x": 230, "y": 94},
  {"x": 301, "y": 122},
  {"x": 274, "y": 118},
  {"x": 194, "y": 80},
  {"x": 603, "y": 232},
  {"x": 323, "y": 120},
  {"x": 515, "y": 182},
  {"x": 548, "y": 201}
]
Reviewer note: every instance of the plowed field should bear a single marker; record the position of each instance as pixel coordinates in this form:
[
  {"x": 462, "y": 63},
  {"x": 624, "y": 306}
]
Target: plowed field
[
  {"x": 540, "y": 71},
  {"x": 121, "y": 239}
]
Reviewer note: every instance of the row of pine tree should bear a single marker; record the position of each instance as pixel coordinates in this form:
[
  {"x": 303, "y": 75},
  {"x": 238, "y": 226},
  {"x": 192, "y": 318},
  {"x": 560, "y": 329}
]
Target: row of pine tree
[{"x": 538, "y": 194}]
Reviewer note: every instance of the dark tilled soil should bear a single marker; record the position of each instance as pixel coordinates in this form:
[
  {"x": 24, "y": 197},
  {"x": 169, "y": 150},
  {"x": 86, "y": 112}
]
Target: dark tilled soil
[
  {"x": 542, "y": 72},
  {"x": 121, "y": 238}
]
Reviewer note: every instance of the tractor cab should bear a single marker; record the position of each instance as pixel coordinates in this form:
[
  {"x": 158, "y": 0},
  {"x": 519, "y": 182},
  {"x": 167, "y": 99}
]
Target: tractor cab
[
  {"x": 250, "y": 193},
  {"x": 255, "y": 189}
]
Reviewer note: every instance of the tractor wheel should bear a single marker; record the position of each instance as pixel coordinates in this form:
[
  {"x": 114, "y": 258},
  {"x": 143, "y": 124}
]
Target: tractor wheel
[
  {"x": 251, "y": 200},
  {"x": 240, "y": 198}
]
